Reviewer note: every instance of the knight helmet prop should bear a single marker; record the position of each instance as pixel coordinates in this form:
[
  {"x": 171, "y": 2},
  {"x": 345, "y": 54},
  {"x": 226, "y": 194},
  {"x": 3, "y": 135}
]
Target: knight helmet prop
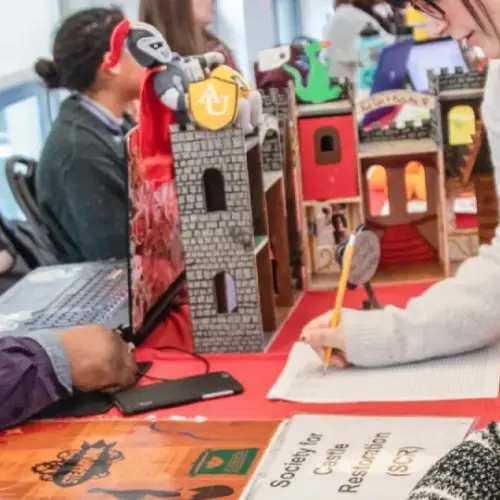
[
  {"x": 147, "y": 46},
  {"x": 144, "y": 43}
]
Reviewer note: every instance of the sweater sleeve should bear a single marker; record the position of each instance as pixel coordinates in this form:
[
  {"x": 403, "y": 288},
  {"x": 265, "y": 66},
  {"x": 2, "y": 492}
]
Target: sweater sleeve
[
  {"x": 28, "y": 378},
  {"x": 96, "y": 197},
  {"x": 470, "y": 471},
  {"x": 454, "y": 316}
]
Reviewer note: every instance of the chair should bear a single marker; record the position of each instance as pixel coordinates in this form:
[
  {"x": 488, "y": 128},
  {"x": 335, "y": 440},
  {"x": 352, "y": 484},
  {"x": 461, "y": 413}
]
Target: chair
[
  {"x": 20, "y": 172},
  {"x": 22, "y": 185}
]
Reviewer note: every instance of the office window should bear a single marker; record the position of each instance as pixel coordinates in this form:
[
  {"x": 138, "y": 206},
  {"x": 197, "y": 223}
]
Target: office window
[
  {"x": 24, "y": 103},
  {"x": 286, "y": 20},
  {"x": 26, "y": 108}
]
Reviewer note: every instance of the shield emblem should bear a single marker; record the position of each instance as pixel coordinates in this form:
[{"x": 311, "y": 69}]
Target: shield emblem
[{"x": 213, "y": 103}]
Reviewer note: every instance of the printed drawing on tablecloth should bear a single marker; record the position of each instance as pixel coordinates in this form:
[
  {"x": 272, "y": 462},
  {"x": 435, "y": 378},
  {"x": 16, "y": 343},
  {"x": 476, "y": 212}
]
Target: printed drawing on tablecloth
[{"x": 75, "y": 460}]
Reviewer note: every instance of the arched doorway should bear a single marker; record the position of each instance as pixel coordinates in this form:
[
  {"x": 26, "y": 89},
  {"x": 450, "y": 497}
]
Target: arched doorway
[{"x": 461, "y": 125}]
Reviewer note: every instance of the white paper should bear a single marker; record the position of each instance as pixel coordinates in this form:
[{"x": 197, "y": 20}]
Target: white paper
[
  {"x": 320, "y": 457},
  {"x": 465, "y": 205},
  {"x": 274, "y": 58},
  {"x": 469, "y": 376}
]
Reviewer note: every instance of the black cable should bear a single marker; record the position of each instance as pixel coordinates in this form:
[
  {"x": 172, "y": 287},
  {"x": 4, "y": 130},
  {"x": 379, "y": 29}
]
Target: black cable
[{"x": 177, "y": 349}]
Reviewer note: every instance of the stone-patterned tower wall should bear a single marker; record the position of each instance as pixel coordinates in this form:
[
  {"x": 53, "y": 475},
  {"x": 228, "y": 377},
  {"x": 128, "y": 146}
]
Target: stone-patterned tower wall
[
  {"x": 436, "y": 125},
  {"x": 209, "y": 239},
  {"x": 275, "y": 103}
]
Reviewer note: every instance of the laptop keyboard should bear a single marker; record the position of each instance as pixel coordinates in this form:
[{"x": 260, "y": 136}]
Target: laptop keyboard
[{"x": 96, "y": 298}]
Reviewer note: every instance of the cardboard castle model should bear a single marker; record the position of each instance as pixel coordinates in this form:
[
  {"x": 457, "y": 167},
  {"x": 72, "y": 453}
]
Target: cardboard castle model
[
  {"x": 231, "y": 199},
  {"x": 466, "y": 150},
  {"x": 337, "y": 160}
]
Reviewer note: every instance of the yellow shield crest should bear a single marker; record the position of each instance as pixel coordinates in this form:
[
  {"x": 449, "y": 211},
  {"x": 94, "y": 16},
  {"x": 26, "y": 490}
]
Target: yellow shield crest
[{"x": 213, "y": 103}]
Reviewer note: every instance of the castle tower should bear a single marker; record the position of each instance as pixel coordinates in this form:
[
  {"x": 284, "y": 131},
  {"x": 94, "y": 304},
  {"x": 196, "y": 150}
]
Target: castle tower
[
  {"x": 215, "y": 208},
  {"x": 460, "y": 96},
  {"x": 413, "y": 242},
  {"x": 275, "y": 103},
  {"x": 277, "y": 156}
]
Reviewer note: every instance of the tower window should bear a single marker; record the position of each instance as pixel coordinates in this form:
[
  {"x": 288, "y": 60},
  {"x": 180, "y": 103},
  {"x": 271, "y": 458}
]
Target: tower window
[
  {"x": 327, "y": 146},
  {"x": 215, "y": 195},
  {"x": 225, "y": 293}
]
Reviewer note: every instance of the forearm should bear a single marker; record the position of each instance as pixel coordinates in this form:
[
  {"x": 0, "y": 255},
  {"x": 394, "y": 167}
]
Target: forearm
[
  {"x": 454, "y": 316},
  {"x": 28, "y": 380}
]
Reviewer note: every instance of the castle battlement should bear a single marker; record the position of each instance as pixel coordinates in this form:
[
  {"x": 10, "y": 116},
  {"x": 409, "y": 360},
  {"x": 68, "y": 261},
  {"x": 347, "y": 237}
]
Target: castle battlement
[
  {"x": 411, "y": 131},
  {"x": 275, "y": 101},
  {"x": 457, "y": 80}
]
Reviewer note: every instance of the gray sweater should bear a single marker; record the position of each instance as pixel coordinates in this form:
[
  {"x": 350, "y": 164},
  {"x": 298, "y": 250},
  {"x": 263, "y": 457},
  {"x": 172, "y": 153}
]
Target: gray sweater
[
  {"x": 81, "y": 184},
  {"x": 455, "y": 315}
]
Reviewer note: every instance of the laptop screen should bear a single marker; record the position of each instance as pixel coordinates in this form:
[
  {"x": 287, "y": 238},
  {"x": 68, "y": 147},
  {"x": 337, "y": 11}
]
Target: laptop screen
[
  {"x": 391, "y": 74},
  {"x": 156, "y": 259},
  {"x": 434, "y": 55}
]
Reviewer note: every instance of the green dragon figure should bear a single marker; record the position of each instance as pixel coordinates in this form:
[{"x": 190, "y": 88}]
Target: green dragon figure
[{"x": 318, "y": 87}]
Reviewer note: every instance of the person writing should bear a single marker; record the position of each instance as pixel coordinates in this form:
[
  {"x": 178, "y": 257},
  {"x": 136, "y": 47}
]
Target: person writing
[
  {"x": 186, "y": 25},
  {"x": 81, "y": 178},
  {"x": 38, "y": 371},
  {"x": 458, "y": 314}
]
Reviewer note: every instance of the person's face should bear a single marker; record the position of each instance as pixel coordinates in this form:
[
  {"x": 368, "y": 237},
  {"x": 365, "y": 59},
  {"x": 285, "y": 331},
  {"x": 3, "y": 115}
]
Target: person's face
[
  {"x": 203, "y": 11},
  {"x": 456, "y": 20},
  {"x": 129, "y": 76}
]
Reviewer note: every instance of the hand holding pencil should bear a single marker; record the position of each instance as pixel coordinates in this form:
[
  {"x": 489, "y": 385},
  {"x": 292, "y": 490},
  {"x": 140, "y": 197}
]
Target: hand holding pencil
[
  {"x": 339, "y": 299},
  {"x": 324, "y": 334}
]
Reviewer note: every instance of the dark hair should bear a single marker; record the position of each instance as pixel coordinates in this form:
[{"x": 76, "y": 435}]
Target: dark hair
[{"x": 79, "y": 49}]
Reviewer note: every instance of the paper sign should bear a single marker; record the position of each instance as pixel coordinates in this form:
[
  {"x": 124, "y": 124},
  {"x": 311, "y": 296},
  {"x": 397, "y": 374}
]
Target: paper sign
[
  {"x": 274, "y": 58},
  {"x": 395, "y": 98},
  {"x": 331, "y": 457}
]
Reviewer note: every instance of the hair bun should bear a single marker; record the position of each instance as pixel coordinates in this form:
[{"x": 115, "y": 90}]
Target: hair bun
[{"x": 47, "y": 71}]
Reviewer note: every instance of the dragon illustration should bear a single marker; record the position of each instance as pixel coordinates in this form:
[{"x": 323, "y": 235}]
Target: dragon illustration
[{"x": 319, "y": 86}]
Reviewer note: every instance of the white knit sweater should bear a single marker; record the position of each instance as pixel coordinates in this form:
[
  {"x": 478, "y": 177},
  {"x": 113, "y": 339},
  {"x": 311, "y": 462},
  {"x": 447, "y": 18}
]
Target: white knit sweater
[
  {"x": 471, "y": 471},
  {"x": 455, "y": 315}
]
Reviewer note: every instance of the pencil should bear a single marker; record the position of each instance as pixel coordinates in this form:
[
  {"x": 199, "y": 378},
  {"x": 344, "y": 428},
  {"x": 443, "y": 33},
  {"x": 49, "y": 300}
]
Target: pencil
[{"x": 346, "y": 269}]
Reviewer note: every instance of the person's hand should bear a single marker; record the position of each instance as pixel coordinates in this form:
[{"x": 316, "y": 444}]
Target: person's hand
[
  {"x": 319, "y": 335},
  {"x": 99, "y": 359}
]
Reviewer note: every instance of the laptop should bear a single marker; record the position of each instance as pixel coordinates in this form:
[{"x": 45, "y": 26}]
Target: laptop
[
  {"x": 391, "y": 74},
  {"x": 156, "y": 257},
  {"x": 435, "y": 54},
  {"x": 59, "y": 297},
  {"x": 134, "y": 296}
]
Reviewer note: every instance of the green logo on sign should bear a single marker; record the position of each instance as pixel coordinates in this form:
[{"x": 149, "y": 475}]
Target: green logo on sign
[{"x": 217, "y": 462}]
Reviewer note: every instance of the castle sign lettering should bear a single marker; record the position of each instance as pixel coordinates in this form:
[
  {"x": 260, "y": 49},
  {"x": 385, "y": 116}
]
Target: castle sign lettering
[{"x": 395, "y": 98}]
